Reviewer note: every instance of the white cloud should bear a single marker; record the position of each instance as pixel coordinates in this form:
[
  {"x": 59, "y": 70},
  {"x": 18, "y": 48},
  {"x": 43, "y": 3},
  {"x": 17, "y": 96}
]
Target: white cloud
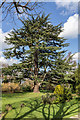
[
  {"x": 71, "y": 6},
  {"x": 76, "y": 56},
  {"x": 70, "y": 28},
  {"x": 3, "y": 45},
  {"x": 1, "y": 53},
  {"x": 7, "y": 61}
]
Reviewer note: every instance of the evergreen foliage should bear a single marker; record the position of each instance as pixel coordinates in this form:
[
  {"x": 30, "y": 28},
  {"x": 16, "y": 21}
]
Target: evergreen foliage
[{"x": 39, "y": 48}]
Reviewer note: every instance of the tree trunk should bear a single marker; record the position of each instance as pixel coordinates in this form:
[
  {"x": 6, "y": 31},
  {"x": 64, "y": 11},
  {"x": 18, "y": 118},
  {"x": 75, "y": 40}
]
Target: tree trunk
[
  {"x": 36, "y": 84},
  {"x": 36, "y": 88},
  {"x": 36, "y": 63}
]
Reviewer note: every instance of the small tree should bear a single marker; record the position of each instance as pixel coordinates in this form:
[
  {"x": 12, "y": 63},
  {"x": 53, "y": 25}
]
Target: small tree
[{"x": 62, "y": 70}]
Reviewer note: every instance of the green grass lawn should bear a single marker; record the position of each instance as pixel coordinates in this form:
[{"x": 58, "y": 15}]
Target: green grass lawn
[{"x": 34, "y": 108}]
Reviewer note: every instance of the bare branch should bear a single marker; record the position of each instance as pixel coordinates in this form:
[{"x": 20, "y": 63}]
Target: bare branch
[
  {"x": 2, "y": 3},
  {"x": 19, "y": 7}
]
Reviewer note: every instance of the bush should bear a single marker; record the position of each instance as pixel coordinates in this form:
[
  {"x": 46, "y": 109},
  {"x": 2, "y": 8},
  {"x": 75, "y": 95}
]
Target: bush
[
  {"x": 78, "y": 89},
  {"x": 48, "y": 99},
  {"x": 5, "y": 79},
  {"x": 46, "y": 91},
  {"x": 47, "y": 87},
  {"x": 67, "y": 93},
  {"x": 26, "y": 88},
  {"x": 59, "y": 90},
  {"x": 62, "y": 93},
  {"x": 10, "y": 87}
]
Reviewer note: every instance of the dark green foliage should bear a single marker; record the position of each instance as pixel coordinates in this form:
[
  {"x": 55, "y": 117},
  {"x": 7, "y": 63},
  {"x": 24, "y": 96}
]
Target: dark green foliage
[
  {"x": 5, "y": 79},
  {"x": 67, "y": 93},
  {"x": 26, "y": 88},
  {"x": 77, "y": 75},
  {"x": 47, "y": 87},
  {"x": 40, "y": 49},
  {"x": 48, "y": 99},
  {"x": 75, "y": 78},
  {"x": 17, "y": 72},
  {"x": 36, "y": 44},
  {"x": 78, "y": 89},
  {"x": 57, "y": 98},
  {"x": 62, "y": 70}
]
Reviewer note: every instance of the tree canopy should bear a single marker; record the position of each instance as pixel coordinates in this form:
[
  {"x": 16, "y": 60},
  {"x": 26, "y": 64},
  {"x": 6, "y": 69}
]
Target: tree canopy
[{"x": 38, "y": 45}]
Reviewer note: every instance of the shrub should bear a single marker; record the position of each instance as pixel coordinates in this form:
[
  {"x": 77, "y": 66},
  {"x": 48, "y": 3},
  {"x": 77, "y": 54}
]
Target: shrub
[
  {"x": 5, "y": 79},
  {"x": 10, "y": 87},
  {"x": 29, "y": 82},
  {"x": 78, "y": 89},
  {"x": 5, "y": 87},
  {"x": 62, "y": 93},
  {"x": 67, "y": 93},
  {"x": 26, "y": 88},
  {"x": 47, "y": 87},
  {"x": 59, "y": 90},
  {"x": 48, "y": 99},
  {"x": 27, "y": 85}
]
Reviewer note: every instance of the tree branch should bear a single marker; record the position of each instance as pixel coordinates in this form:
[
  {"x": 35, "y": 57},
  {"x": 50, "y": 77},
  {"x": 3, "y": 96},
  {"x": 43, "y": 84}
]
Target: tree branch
[
  {"x": 2, "y": 3},
  {"x": 17, "y": 8}
]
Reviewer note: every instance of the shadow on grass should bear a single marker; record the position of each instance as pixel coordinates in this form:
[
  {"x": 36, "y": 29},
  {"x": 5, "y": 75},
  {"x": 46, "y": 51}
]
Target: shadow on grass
[
  {"x": 60, "y": 114},
  {"x": 51, "y": 114}
]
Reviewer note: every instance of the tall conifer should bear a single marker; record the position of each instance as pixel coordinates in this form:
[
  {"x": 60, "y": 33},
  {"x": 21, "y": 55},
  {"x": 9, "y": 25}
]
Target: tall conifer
[{"x": 36, "y": 44}]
